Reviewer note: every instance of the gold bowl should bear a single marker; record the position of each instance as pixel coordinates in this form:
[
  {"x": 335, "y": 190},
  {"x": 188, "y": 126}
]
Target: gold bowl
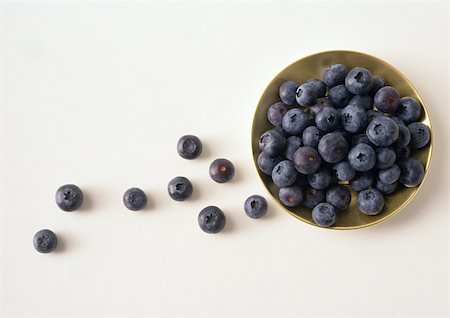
[{"x": 313, "y": 66}]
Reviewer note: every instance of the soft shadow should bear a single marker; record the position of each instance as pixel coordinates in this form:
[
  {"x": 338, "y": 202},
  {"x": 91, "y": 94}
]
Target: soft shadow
[
  {"x": 88, "y": 203},
  {"x": 195, "y": 193},
  {"x": 238, "y": 173},
  {"x": 271, "y": 209},
  {"x": 61, "y": 246},
  {"x": 230, "y": 226}
]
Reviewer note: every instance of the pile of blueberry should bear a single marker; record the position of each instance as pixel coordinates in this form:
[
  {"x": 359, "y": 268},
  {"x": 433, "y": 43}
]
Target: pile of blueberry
[
  {"x": 348, "y": 129},
  {"x": 211, "y": 219}
]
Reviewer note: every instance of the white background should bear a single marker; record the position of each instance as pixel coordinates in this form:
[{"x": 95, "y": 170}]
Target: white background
[{"x": 97, "y": 94}]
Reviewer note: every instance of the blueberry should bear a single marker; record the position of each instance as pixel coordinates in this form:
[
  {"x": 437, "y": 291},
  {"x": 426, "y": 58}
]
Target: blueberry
[
  {"x": 272, "y": 142},
  {"x": 372, "y": 114},
  {"x": 382, "y": 131},
  {"x": 276, "y": 112},
  {"x": 386, "y": 188},
  {"x": 377, "y": 83},
  {"x": 211, "y": 219},
  {"x": 327, "y": 119},
  {"x": 134, "y": 199},
  {"x": 387, "y": 99},
  {"x": 338, "y": 196},
  {"x": 397, "y": 120},
  {"x": 339, "y": 96},
  {"x": 267, "y": 163},
  {"x": 307, "y": 160},
  {"x": 412, "y": 172},
  {"x": 364, "y": 101},
  {"x": 344, "y": 171},
  {"x": 306, "y": 94},
  {"x": 362, "y": 157},
  {"x": 360, "y": 139},
  {"x": 358, "y": 81},
  {"x": 353, "y": 118},
  {"x": 319, "y": 105},
  {"x": 287, "y": 92},
  {"x": 292, "y": 144},
  {"x": 389, "y": 175},
  {"x": 402, "y": 152},
  {"x": 69, "y": 197},
  {"x": 284, "y": 174},
  {"x": 189, "y": 147},
  {"x": 295, "y": 121},
  {"x": 311, "y": 136},
  {"x": 385, "y": 157},
  {"x": 221, "y": 170},
  {"x": 318, "y": 85},
  {"x": 313, "y": 197},
  {"x": 291, "y": 196},
  {"x": 404, "y": 136},
  {"x": 408, "y": 110},
  {"x": 179, "y": 188},
  {"x": 324, "y": 214},
  {"x": 370, "y": 201},
  {"x": 255, "y": 206},
  {"x": 420, "y": 135},
  {"x": 333, "y": 147},
  {"x": 335, "y": 75},
  {"x": 362, "y": 181},
  {"x": 320, "y": 179},
  {"x": 45, "y": 241}
]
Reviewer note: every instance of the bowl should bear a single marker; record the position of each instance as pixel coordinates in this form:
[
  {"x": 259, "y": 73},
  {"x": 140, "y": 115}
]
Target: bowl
[{"x": 312, "y": 66}]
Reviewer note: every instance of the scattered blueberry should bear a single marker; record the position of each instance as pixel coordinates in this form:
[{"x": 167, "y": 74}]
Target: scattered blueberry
[
  {"x": 221, "y": 170},
  {"x": 408, "y": 110},
  {"x": 362, "y": 181},
  {"x": 318, "y": 85},
  {"x": 364, "y": 101},
  {"x": 382, "y": 131},
  {"x": 339, "y": 96},
  {"x": 255, "y": 206},
  {"x": 319, "y": 105},
  {"x": 358, "y": 81},
  {"x": 344, "y": 171},
  {"x": 387, "y": 99},
  {"x": 134, "y": 199},
  {"x": 370, "y": 201},
  {"x": 420, "y": 135},
  {"x": 412, "y": 172},
  {"x": 389, "y": 175},
  {"x": 311, "y": 136},
  {"x": 404, "y": 136},
  {"x": 338, "y": 196},
  {"x": 189, "y": 147},
  {"x": 327, "y": 119},
  {"x": 313, "y": 197},
  {"x": 272, "y": 142},
  {"x": 362, "y": 157},
  {"x": 180, "y": 188},
  {"x": 386, "y": 188},
  {"x": 333, "y": 147},
  {"x": 291, "y": 196},
  {"x": 335, "y": 75},
  {"x": 287, "y": 92},
  {"x": 276, "y": 112},
  {"x": 324, "y": 214},
  {"x": 292, "y": 144},
  {"x": 320, "y": 179},
  {"x": 69, "y": 197},
  {"x": 211, "y": 219},
  {"x": 284, "y": 174},
  {"x": 295, "y": 121},
  {"x": 353, "y": 118},
  {"x": 267, "y": 163},
  {"x": 306, "y": 94},
  {"x": 307, "y": 160},
  {"x": 45, "y": 241}
]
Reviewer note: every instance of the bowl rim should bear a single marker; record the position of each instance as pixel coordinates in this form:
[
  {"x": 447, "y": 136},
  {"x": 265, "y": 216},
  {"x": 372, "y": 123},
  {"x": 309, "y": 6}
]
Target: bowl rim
[{"x": 426, "y": 168}]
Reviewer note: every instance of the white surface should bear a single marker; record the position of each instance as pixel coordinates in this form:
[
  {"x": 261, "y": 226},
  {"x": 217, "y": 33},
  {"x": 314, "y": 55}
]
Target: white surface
[{"x": 97, "y": 94}]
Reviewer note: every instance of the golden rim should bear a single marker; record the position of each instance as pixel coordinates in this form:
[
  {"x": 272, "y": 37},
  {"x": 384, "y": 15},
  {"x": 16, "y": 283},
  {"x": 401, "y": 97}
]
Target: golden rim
[{"x": 430, "y": 146}]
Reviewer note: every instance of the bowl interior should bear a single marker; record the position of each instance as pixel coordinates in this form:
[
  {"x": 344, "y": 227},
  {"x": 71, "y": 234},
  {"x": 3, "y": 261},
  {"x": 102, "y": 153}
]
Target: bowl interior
[{"x": 312, "y": 67}]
